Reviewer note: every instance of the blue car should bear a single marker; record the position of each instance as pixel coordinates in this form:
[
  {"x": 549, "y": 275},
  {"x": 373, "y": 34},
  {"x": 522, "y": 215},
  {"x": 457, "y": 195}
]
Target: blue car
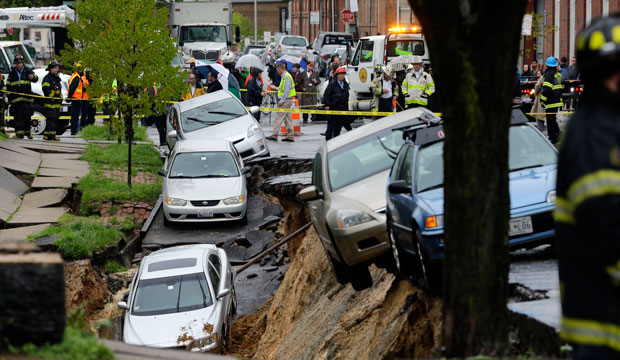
[{"x": 415, "y": 195}]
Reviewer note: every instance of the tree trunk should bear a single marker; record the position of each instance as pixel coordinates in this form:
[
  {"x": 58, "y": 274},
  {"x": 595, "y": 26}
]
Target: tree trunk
[
  {"x": 474, "y": 48},
  {"x": 32, "y": 296}
]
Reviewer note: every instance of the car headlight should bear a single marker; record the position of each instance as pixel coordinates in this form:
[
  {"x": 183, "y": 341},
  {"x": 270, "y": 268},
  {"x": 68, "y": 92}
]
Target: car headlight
[
  {"x": 434, "y": 222},
  {"x": 351, "y": 217},
  {"x": 234, "y": 200},
  {"x": 253, "y": 130},
  {"x": 203, "y": 344},
  {"x": 176, "y": 202},
  {"x": 551, "y": 196}
]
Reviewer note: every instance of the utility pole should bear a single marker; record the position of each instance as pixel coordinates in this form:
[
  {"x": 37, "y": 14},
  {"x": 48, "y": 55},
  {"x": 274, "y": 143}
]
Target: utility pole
[
  {"x": 398, "y": 13},
  {"x": 332, "y": 6},
  {"x": 255, "y": 24}
]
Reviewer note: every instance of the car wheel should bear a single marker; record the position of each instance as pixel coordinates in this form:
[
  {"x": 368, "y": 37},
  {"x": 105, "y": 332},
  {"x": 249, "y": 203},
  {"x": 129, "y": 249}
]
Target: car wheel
[
  {"x": 227, "y": 335},
  {"x": 359, "y": 277},
  {"x": 38, "y": 125},
  {"x": 339, "y": 270},
  {"x": 404, "y": 264},
  {"x": 431, "y": 271},
  {"x": 167, "y": 223},
  {"x": 233, "y": 301}
]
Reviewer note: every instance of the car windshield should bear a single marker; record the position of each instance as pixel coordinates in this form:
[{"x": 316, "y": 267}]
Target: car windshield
[
  {"x": 172, "y": 294},
  {"x": 527, "y": 149},
  {"x": 203, "y": 33},
  {"x": 363, "y": 158},
  {"x": 405, "y": 47},
  {"x": 294, "y": 41},
  {"x": 13, "y": 50},
  {"x": 337, "y": 39},
  {"x": 203, "y": 165},
  {"x": 211, "y": 114}
]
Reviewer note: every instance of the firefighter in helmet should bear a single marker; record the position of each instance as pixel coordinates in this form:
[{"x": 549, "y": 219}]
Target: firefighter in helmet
[
  {"x": 53, "y": 98},
  {"x": 588, "y": 200},
  {"x": 19, "y": 87}
]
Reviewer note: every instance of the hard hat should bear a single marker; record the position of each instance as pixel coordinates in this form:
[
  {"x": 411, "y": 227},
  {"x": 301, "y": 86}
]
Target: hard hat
[
  {"x": 18, "y": 59},
  {"x": 598, "y": 47},
  {"x": 52, "y": 64},
  {"x": 551, "y": 61},
  {"x": 80, "y": 66},
  {"x": 378, "y": 68},
  {"x": 341, "y": 70},
  {"x": 409, "y": 67},
  {"x": 416, "y": 59},
  {"x": 192, "y": 60}
]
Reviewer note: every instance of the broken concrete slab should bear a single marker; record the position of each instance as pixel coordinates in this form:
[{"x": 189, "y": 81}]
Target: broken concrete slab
[
  {"x": 64, "y": 156},
  {"x": 44, "y": 198},
  {"x": 18, "y": 149},
  {"x": 247, "y": 247},
  {"x": 54, "y": 182},
  {"x": 20, "y": 158},
  {"x": 21, "y": 233},
  {"x": 19, "y": 167},
  {"x": 64, "y": 164},
  {"x": 80, "y": 173},
  {"x": 10, "y": 202},
  {"x": 11, "y": 183},
  {"x": 48, "y": 147},
  {"x": 37, "y": 215},
  {"x": 41, "y": 144}
]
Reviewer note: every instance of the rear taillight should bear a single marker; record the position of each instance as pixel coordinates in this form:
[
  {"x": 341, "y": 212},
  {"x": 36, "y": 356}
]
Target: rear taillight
[
  {"x": 324, "y": 56},
  {"x": 279, "y": 48}
]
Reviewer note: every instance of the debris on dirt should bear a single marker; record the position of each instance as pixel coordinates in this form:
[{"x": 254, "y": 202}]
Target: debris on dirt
[
  {"x": 84, "y": 287},
  {"x": 247, "y": 331}
]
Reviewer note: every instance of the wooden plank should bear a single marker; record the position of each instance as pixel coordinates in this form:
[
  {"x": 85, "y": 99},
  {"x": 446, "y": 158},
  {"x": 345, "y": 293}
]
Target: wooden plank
[
  {"x": 125, "y": 352},
  {"x": 18, "y": 149},
  {"x": 22, "y": 168},
  {"x": 11, "y": 183},
  {"x": 61, "y": 156},
  {"x": 64, "y": 164},
  {"x": 80, "y": 173},
  {"x": 54, "y": 182},
  {"x": 37, "y": 215},
  {"x": 21, "y": 158},
  {"x": 44, "y": 198},
  {"x": 21, "y": 233}
]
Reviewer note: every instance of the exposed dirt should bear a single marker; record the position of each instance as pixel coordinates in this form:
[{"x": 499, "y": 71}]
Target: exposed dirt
[
  {"x": 85, "y": 288},
  {"x": 312, "y": 316}
]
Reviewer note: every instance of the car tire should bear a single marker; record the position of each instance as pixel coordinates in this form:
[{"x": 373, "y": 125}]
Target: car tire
[
  {"x": 167, "y": 223},
  {"x": 431, "y": 276},
  {"x": 405, "y": 265},
  {"x": 40, "y": 124},
  {"x": 227, "y": 335},
  {"x": 359, "y": 277},
  {"x": 233, "y": 301}
]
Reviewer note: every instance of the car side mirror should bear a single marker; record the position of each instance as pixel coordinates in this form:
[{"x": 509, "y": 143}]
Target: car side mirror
[
  {"x": 162, "y": 172},
  {"x": 254, "y": 110},
  {"x": 122, "y": 305},
  {"x": 172, "y": 134},
  {"x": 223, "y": 293},
  {"x": 399, "y": 187},
  {"x": 246, "y": 170},
  {"x": 310, "y": 193}
]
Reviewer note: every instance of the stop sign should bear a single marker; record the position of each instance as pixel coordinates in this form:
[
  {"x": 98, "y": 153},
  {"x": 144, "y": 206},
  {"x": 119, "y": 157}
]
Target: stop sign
[
  {"x": 346, "y": 16},
  {"x": 9, "y": 30}
]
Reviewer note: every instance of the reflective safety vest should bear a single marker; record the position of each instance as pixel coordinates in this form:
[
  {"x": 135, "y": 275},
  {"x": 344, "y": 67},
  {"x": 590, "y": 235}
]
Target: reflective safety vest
[
  {"x": 414, "y": 88},
  {"x": 292, "y": 91},
  {"x": 79, "y": 92},
  {"x": 86, "y": 83}
]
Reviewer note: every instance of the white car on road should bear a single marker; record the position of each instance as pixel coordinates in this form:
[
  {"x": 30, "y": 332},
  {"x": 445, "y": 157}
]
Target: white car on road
[
  {"x": 204, "y": 180},
  {"x": 217, "y": 115},
  {"x": 181, "y": 297}
]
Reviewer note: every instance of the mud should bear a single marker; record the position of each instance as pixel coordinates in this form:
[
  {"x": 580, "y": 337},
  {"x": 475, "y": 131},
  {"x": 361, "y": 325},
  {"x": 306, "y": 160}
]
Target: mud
[{"x": 85, "y": 288}]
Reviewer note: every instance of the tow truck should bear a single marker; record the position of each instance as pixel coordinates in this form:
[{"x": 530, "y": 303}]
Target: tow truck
[
  {"x": 379, "y": 50},
  {"x": 23, "y": 17}
]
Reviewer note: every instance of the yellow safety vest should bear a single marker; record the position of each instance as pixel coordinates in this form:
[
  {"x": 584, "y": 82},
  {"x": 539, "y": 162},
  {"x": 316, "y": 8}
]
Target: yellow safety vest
[
  {"x": 292, "y": 91},
  {"x": 77, "y": 94}
]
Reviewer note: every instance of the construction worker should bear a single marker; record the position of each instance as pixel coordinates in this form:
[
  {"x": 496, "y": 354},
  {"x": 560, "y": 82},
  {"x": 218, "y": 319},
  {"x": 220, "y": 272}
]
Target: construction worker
[
  {"x": 19, "y": 87},
  {"x": 382, "y": 89},
  {"x": 52, "y": 91},
  {"x": 418, "y": 85},
  {"x": 587, "y": 206},
  {"x": 86, "y": 106},
  {"x": 551, "y": 97},
  {"x": 76, "y": 94},
  {"x": 286, "y": 92}
]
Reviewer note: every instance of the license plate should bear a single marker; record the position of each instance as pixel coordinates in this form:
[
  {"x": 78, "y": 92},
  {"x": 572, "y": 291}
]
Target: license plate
[
  {"x": 205, "y": 213},
  {"x": 522, "y": 225}
]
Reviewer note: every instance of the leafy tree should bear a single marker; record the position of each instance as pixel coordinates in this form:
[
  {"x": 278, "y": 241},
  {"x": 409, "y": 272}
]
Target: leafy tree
[
  {"x": 127, "y": 41},
  {"x": 246, "y": 26},
  {"x": 474, "y": 47}
]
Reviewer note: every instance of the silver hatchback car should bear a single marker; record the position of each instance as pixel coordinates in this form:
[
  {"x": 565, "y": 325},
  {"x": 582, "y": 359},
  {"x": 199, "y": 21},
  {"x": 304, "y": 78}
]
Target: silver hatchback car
[
  {"x": 181, "y": 297},
  {"x": 347, "y": 197}
]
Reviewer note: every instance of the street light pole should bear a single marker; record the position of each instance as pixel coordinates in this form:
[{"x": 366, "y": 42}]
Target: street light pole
[
  {"x": 332, "y": 15},
  {"x": 255, "y": 25}
]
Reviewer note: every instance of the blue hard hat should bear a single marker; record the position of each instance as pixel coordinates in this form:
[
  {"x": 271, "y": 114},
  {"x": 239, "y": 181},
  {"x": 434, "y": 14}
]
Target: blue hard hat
[{"x": 551, "y": 61}]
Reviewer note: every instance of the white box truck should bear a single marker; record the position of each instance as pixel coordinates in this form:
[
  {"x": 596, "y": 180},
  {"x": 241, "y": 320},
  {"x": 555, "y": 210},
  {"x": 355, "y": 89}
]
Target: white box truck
[{"x": 204, "y": 30}]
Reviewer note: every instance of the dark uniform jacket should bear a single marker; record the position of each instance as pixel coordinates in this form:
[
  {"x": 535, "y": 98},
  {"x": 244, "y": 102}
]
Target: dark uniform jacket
[
  {"x": 15, "y": 85},
  {"x": 255, "y": 90},
  {"x": 552, "y": 89},
  {"x": 587, "y": 218},
  {"x": 335, "y": 97},
  {"x": 52, "y": 89}
]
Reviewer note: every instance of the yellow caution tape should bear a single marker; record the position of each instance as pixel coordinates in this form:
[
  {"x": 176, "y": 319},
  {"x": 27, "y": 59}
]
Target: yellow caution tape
[{"x": 328, "y": 112}]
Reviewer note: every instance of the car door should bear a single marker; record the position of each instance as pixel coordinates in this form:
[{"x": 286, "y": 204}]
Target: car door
[
  {"x": 361, "y": 68},
  {"x": 403, "y": 205},
  {"x": 317, "y": 213},
  {"x": 173, "y": 123}
]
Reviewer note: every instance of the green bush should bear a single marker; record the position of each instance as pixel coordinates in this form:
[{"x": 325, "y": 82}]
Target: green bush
[
  {"x": 80, "y": 237},
  {"x": 97, "y": 188},
  {"x": 112, "y": 267},
  {"x": 76, "y": 344},
  {"x": 102, "y": 132},
  {"x": 3, "y": 136}
]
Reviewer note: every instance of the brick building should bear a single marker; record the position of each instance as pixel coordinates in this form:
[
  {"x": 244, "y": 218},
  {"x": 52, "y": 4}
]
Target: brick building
[{"x": 268, "y": 13}]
